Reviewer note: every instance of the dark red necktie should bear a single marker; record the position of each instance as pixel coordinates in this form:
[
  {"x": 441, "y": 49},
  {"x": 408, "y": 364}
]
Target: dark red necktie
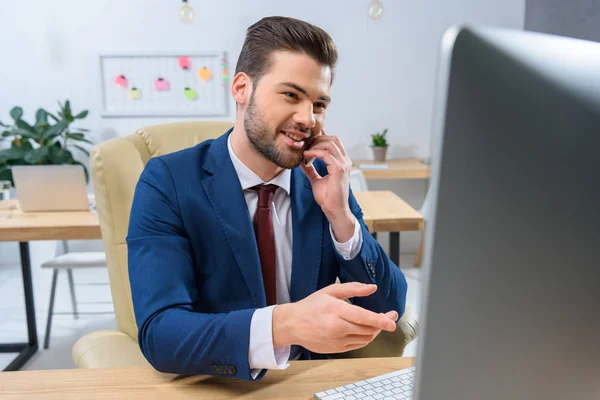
[{"x": 265, "y": 238}]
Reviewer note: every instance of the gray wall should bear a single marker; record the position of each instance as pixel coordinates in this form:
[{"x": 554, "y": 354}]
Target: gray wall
[{"x": 573, "y": 18}]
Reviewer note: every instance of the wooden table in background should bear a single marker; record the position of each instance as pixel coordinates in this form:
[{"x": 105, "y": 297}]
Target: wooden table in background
[
  {"x": 408, "y": 168},
  {"x": 23, "y": 228},
  {"x": 384, "y": 211},
  {"x": 300, "y": 381}
]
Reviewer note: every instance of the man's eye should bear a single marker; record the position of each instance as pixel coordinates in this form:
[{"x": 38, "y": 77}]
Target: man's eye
[
  {"x": 291, "y": 95},
  {"x": 320, "y": 105}
]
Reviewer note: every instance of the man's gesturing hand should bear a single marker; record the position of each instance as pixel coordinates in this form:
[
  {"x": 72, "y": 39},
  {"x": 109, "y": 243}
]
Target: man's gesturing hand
[{"x": 324, "y": 323}]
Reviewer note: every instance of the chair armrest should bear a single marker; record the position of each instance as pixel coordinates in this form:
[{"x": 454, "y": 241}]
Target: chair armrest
[
  {"x": 107, "y": 349},
  {"x": 389, "y": 344}
]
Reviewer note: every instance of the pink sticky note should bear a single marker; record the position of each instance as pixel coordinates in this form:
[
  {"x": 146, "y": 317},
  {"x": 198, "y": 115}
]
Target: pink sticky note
[
  {"x": 120, "y": 80},
  {"x": 161, "y": 84},
  {"x": 184, "y": 62}
]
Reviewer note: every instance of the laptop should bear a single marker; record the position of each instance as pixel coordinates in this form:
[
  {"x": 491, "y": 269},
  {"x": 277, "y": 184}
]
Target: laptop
[
  {"x": 50, "y": 188},
  {"x": 511, "y": 293}
]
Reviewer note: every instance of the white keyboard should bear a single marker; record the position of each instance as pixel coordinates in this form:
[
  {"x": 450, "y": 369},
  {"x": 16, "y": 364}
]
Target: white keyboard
[{"x": 395, "y": 385}]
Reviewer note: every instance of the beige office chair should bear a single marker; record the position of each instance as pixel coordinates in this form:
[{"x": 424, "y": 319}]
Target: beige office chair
[{"x": 116, "y": 167}]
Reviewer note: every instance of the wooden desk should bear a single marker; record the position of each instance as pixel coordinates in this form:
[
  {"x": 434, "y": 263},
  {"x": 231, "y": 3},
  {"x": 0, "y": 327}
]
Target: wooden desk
[
  {"x": 23, "y": 228},
  {"x": 407, "y": 168},
  {"x": 384, "y": 211},
  {"x": 300, "y": 381}
]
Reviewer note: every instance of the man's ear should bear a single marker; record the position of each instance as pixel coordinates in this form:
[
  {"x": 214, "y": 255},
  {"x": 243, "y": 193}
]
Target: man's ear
[{"x": 241, "y": 88}]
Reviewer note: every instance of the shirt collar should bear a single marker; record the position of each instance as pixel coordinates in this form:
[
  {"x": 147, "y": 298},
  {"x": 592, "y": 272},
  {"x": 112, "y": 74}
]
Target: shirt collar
[{"x": 249, "y": 179}]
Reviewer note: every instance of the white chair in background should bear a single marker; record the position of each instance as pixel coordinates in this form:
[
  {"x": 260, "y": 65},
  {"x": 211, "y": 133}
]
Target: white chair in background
[
  {"x": 75, "y": 254},
  {"x": 358, "y": 183}
]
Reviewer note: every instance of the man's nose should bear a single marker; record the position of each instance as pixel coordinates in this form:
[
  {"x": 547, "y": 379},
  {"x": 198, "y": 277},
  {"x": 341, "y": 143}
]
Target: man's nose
[{"x": 305, "y": 117}]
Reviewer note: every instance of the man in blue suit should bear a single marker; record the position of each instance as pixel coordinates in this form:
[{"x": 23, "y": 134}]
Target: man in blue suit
[{"x": 235, "y": 244}]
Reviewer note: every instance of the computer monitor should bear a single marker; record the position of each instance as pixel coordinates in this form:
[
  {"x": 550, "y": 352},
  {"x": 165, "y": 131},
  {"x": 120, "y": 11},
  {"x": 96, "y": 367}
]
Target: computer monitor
[{"x": 511, "y": 299}]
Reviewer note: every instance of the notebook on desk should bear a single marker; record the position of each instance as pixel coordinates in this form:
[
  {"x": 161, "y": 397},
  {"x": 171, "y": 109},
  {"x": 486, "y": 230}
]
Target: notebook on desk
[
  {"x": 373, "y": 166},
  {"x": 51, "y": 188}
]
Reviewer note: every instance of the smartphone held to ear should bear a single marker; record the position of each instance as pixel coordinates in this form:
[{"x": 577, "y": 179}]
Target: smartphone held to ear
[{"x": 308, "y": 163}]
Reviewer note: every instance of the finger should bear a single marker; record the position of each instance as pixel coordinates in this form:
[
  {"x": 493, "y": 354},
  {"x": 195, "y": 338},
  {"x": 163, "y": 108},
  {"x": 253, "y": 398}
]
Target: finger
[
  {"x": 310, "y": 172},
  {"x": 393, "y": 315},
  {"x": 328, "y": 145},
  {"x": 364, "y": 340},
  {"x": 360, "y": 316},
  {"x": 326, "y": 156},
  {"x": 348, "y": 290},
  {"x": 335, "y": 139},
  {"x": 349, "y": 329}
]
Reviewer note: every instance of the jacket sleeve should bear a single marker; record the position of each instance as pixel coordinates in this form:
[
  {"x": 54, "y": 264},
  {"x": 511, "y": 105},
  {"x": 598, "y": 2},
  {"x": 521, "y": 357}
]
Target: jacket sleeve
[
  {"x": 173, "y": 337},
  {"x": 372, "y": 265}
]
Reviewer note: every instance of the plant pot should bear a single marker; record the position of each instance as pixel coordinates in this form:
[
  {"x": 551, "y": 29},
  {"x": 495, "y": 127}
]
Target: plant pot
[{"x": 379, "y": 153}]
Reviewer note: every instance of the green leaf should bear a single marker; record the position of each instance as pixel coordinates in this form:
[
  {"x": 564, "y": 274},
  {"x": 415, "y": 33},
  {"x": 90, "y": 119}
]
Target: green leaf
[
  {"x": 85, "y": 171},
  {"x": 14, "y": 153},
  {"x": 25, "y": 133},
  {"x": 67, "y": 111},
  {"x": 16, "y": 113},
  {"x": 25, "y": 144},
  {"x": 78, "y": 137},
  {"x": 56, "y": 129},
  {"x": 52, "y": 116},
  {"x": 4, "y": 125},
  {"x": 86, "y": 151},
  {"x": 41, "y": 117},
  {"x": 6, "y": 173},
  {"x": 24, "y": 125},
  {"x": 7, "y": 134},
  {"x": 56, "y": 155},
  {"x": 37, "y": 155},
  {"x": 82, "y": 114}
]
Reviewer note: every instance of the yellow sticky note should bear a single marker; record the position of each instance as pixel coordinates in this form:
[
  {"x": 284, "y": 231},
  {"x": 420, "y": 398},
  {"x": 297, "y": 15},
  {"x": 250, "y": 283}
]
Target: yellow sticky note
[{"x": 134, "y": 93}]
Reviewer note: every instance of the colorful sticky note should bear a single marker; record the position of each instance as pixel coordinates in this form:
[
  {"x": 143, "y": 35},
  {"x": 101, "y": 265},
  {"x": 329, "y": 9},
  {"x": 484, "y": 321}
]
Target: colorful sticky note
[
  {"x": 190, "y": 93},
  {"x": 160, "y": 84},
  {"x": 184, "y": 62},
  {"x": 204, "y": 74},
  {"x": 120, "y": 80},
  {"x": 134, "y": 93}
]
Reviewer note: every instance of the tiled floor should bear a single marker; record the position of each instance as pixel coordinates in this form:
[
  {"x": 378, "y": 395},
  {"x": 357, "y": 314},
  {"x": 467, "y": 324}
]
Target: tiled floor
[{"x": 66, "y": 330}]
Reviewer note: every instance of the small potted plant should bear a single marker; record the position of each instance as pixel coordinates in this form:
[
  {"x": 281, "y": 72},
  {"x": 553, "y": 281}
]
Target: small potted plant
[
  {"x": 379, "y": 145},
  {"x": 49, "y": 140}
]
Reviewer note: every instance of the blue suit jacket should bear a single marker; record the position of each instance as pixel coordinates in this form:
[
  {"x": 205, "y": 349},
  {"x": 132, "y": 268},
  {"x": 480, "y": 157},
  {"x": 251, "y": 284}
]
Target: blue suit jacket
[{"x": 194, "y": 266}]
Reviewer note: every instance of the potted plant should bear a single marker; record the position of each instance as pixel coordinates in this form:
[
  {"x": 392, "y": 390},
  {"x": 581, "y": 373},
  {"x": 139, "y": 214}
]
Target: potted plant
[
  {"x": 48, "y": 141},
  {"x": 379, "y": 145}
]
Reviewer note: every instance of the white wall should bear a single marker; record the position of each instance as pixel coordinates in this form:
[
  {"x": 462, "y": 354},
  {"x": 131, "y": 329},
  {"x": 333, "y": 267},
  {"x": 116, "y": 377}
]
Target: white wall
[{"x": 385, "y": 77}]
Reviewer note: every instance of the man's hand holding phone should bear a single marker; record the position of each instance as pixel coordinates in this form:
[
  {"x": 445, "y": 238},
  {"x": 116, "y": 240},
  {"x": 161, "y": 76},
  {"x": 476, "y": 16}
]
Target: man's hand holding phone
[{"x": 331, "y": 191}]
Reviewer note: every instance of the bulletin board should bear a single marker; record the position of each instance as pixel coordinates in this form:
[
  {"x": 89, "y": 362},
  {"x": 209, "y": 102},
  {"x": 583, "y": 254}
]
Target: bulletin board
[{"x": 164, "y": 85}]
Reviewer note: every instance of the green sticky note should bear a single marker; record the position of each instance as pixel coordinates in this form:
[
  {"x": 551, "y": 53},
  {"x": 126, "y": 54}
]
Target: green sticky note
[{"x": 190, "y": 93}]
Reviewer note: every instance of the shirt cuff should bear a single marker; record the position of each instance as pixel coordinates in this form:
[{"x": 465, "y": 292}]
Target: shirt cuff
[
  {"x": 261, "y": 354},
  {"x": 352, "y": 247}
]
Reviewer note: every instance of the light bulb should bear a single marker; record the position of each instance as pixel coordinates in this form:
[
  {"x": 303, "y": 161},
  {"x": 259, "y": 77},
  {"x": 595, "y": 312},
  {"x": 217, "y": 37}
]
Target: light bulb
[
  {"x": 186, "y": 13},
  {"x": 375, "y": 9}
]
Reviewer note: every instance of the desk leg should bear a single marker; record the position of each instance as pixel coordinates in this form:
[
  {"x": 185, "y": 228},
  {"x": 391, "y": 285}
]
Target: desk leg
[
  {"x": 395, "y": 248},
  {"x": 25, "y": 350}
]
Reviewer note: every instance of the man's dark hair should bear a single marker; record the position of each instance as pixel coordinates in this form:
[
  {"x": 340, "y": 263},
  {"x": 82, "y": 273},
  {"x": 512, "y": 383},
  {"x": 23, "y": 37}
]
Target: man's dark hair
[{"x": 283, "y": 34}]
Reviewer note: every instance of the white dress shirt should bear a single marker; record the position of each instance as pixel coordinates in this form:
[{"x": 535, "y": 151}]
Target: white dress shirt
[{"x": 261, "y": 354}]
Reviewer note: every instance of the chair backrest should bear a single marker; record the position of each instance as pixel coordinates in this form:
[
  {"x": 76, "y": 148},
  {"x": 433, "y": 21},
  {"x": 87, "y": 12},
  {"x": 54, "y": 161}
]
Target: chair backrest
[
  {"x": 358, "y": 183},
  {"x": 116, "y": 166}
]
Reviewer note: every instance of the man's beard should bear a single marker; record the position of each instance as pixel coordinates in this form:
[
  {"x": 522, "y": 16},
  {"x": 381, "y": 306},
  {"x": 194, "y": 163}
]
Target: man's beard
[{"x": 258, "y": 132}]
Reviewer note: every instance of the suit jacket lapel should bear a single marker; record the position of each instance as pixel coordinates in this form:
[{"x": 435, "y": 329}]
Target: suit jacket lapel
[
  {"x": 227, "y": 198},
  {"x": 307, "y": 233}
]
